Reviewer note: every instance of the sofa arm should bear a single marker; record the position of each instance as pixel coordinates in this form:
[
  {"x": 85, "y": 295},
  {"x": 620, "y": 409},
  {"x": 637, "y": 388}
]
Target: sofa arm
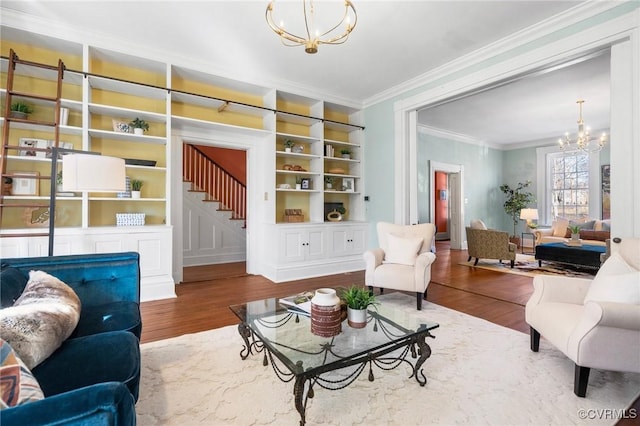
[
  {"x": 541, "y": 233},
  {"x": 108, "y": 403},
  {"x": 422, "y": 270},
  {"x": 550, "y": 288},
  {"x": 373, "y": 259}
]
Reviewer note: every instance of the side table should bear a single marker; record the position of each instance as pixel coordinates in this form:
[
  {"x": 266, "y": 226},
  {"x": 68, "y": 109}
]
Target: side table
[{"x": 531, "y": 236}]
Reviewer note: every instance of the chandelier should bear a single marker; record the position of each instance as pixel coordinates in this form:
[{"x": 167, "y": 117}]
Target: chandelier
[
  {"x": 583, "y": 141},
  {"x": 313, "y": 37}
]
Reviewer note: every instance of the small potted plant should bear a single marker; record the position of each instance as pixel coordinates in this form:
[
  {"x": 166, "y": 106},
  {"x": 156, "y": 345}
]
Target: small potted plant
[
  {"x": 136, "y": 186},
  {"x": 20, "y": 109},
  {"x": 358, "y": 299},
  {"x": 575, "y": 232},
  {"x": 346, "y": 153},
  {"x": 288, "y": 144},
  {"x": 139, "y": 126},
  {"x": 59, "y": 181},
  {"x": 298, "y": 182},
  {"x": 329, "y": 180}
]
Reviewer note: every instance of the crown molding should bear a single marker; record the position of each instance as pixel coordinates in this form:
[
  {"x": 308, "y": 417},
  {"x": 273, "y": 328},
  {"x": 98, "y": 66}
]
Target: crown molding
[{"x": 555, "y": 23}]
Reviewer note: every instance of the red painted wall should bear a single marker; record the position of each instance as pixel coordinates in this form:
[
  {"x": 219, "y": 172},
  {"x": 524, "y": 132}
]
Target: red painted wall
[
  {"x": 441, "y": 206},
  {"x": 233, "y": 161}
]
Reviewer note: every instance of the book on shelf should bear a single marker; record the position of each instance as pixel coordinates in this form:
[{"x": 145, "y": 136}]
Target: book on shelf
[{"x": 298, "y": 303}]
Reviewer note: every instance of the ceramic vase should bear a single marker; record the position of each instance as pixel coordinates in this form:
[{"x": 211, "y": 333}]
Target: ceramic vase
[
  {"x": 135, "y": 194},
  {"x": 325, "y": 313},
  {"x": 138, "y": 131},
  {"x": 357, "y": 318}
]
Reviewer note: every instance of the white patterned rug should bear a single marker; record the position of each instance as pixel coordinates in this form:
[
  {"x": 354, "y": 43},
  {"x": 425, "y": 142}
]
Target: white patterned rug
[
  {"x": 478, "y": 373},
  {"x": 527, "y": 265}
]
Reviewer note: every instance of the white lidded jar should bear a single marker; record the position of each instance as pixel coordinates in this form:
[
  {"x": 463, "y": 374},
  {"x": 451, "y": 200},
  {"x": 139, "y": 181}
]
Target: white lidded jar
[{"x": 325, "y": 313}]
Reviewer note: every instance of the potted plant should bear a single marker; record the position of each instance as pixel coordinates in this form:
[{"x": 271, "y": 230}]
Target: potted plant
[
  {"x": 329, "y": 180},
  {"x": 346, "y": 153},
  {"x": 288, "y": 144},
  {"x": 59, "y": 181},
  {"x": 575, "y": 231},
  {"x": 517, "y": 199},
  {"x": 139, "y": 126},
  {"x": 358, "y": 299},
  {"x": 20, "y": 109},
  {"x": 136, "y": 186}
]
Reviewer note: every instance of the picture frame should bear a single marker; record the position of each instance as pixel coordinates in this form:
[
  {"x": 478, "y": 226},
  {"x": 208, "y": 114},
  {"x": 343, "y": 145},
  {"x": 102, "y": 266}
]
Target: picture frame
[
  {"x": 305, "y": 183},
  {"x": 63, "y": 145},
  {"x": 25, "y": 185},
  {"x": 348, "y": 184},
  {"x": 31, "y": 146},
  {"x": 606, "y": 191}
]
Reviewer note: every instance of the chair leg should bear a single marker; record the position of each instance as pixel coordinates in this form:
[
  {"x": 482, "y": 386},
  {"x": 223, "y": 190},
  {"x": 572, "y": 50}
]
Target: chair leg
[
  {"x": 425, "y": 295},
  {"x": 512, "y": 263},
  {"x": 469, "y": 259},
  {"x": 476, "y": 262},
  {"x": 419, "y": 300},
  {"x": 371, "y": 289},
  {"x": 535, "y": 339},
  {"x": 381, "y": 290},
  {"x": 580, "y": 380}
]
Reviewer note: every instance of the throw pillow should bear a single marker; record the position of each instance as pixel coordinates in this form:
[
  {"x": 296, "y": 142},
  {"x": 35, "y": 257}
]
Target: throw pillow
[
  {"x": 17, "y": 384},
  {"x": 559, "y": 227},
  {"x": 13, "y": 282},
  {"x": 402, "y": 250},
  {"x": 478, "y": 224},
  {"x": 42, "y": 318},
  {"x": 616, "y": 281}
]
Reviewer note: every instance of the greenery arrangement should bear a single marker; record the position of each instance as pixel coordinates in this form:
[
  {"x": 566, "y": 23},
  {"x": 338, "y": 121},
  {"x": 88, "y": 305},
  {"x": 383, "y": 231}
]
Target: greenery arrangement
[
  {"x": 136, "y": 185},
  {"x": 358, "y": 297},
  {"x": 575, "y": 229},
  {"x": 345, "y": 151},
  {"x": 59, "y": 178},
  {"x": 19, "y": 106},
  {"x": 139, "y": 124},
  {"x": 288, "y": 143},
  {"x": 517, "y": 199},
  {"x": 329, "y": 179}
]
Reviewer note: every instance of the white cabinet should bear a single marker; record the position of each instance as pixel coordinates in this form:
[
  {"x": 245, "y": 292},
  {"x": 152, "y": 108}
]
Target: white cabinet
[
  {"x": 301, "y": 244},
  {"x": 346, "y": 240}
]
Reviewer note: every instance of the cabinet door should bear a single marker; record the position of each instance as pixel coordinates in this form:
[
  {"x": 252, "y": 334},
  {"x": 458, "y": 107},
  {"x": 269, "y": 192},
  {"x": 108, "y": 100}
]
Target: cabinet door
[
  {"x": 315, "y": 244},
  {"x": 339, "y": 245},
  {"x": 357, "y": 239},
  {"x": 292, "y": 245}
]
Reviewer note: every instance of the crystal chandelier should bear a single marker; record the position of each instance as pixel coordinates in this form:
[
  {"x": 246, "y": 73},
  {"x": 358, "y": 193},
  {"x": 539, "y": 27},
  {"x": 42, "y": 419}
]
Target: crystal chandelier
[
  {"x": 313, "y": 37},
  {"x": 583, "y": 141}
]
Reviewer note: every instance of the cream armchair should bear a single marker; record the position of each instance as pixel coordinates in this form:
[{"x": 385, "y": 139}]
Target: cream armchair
[
  {"x": 595, "y": 323},
  {"x": 403, "y": 260},
  {"x": 490, "y": 244}
]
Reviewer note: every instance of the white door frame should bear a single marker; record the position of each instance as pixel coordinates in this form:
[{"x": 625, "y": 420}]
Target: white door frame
[{"x": 456, "y": 196}]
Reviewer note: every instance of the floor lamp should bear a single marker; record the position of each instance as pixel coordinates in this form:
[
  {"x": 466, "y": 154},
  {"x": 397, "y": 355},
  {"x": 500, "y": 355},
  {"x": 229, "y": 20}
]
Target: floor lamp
[{"x": 85, "y": 172}]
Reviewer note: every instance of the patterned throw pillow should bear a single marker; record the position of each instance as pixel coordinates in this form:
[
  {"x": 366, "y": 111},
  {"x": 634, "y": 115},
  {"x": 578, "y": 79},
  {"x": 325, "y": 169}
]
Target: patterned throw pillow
[
  {"x": 42, "y": 318},
  {"x": 17, "y": 384}
]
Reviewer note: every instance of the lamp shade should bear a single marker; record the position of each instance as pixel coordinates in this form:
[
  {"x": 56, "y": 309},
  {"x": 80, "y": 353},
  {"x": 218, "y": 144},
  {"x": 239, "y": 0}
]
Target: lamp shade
[
  {"x": 529, "y": 214},
  {"x": 93, "y": 173}
]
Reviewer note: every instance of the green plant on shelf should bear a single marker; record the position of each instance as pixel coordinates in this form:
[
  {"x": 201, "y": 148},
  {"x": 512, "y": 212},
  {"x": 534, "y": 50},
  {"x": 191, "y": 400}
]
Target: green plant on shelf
[
  {"x": 23, "y": 107},
  {"x": 136, "y": 185},
  {"x": 329, "y": 180},
  {"x": 288, "y": 143},
  {"x": 345, "y": 151},
  {"x": 139, "y": 124}
]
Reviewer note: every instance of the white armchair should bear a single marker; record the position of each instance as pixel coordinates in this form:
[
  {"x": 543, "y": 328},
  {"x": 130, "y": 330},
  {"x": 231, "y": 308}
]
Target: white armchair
[
  {"x": 595, "y": 323},
  {"x": 403, "y": 260}
]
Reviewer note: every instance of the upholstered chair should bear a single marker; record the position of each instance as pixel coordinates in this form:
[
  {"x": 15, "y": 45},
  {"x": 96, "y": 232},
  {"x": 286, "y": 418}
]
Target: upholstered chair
[
  {"x": 483, "y": 243},
  {"x": 595, "y": 323},
  {"x": 403, "y": 260}
]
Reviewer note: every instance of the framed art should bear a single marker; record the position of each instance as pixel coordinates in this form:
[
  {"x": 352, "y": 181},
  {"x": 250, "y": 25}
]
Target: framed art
[
  {"x": 25, "y": 185},
  {"x": 348, "y": 184},
  {"x": 606, "y": 191},
  {"x": 29, "y": 144},
  {"x": 305, "y": 183}
]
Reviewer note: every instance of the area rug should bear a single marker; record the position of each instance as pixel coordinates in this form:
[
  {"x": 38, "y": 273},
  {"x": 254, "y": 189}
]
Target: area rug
[
  {"x": 478, "y": 373},
  {"x": 527, "y": 265}
]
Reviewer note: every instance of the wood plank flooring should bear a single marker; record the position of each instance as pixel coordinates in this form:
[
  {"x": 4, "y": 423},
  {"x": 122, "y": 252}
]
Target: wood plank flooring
[{"x": 204, "y": 298}]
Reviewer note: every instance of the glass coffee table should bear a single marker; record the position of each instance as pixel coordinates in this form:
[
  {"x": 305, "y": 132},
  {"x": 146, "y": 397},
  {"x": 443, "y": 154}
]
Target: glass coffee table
[{"x": 392, "y": 337}]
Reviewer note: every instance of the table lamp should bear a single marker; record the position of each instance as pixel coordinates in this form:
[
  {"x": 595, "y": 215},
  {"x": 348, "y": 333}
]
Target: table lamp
[{"x": 529, "y": 215}]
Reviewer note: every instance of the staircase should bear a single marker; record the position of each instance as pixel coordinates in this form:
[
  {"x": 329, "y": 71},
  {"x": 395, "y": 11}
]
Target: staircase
[{"x": 219, "y": 186}]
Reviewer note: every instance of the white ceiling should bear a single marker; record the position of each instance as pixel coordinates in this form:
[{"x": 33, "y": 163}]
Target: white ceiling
[{"x": 394, "y": 41}]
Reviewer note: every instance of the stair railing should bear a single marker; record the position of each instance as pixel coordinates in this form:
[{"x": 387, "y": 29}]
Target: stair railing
[{"x": 219, "y": 185}]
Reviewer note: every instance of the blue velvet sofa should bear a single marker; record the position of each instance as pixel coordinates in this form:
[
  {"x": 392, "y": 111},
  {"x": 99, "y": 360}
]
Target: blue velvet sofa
[{"x": 94, "y": 376}]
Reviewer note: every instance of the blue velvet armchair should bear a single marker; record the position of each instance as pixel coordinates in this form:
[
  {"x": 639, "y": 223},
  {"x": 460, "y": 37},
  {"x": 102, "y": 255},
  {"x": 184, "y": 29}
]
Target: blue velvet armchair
[{"x": 94, "y": 376}]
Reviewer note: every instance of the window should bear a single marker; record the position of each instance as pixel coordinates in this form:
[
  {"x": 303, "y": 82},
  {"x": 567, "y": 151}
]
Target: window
[
  {"x": 568, "y": 184},
  {"x": 569, "y": 177}
]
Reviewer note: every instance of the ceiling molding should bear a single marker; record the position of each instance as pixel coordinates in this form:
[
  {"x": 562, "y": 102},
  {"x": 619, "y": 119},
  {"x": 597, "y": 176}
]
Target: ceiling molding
[{"x": 557, "y": 22}]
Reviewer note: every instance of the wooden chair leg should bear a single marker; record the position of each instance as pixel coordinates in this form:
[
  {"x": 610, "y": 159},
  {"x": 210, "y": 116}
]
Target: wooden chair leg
[
  {"x": 535, "y": 339},
  {"x": 469, "y": 259},
  {"x": 581, "y": 378},
  {"x": 425, "y": 295},
  {"x": 419, "y": 300},
  {"x": 381, "y": 290},
  {"x": 476, "y": 262},
  {"x": 512, "y": 263}
]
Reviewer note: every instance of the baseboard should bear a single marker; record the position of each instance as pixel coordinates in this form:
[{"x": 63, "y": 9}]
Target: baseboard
[
  {"x": 299, "y": 271},
  {"x": 157, "y": 288}
]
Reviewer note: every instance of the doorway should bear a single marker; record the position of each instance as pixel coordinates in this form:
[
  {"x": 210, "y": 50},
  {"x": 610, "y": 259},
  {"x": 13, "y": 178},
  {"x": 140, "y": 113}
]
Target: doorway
[{"x": 446, "y": 206}]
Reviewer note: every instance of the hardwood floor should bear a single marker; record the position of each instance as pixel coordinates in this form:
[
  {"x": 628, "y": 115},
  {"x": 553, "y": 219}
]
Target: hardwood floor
[{"x": 204, "y": 298}]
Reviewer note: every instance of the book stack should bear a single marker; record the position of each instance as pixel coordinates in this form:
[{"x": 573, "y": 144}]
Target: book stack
[
  {"x": 329, "y": 151},
  {"x": 298, "y": 304}
]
